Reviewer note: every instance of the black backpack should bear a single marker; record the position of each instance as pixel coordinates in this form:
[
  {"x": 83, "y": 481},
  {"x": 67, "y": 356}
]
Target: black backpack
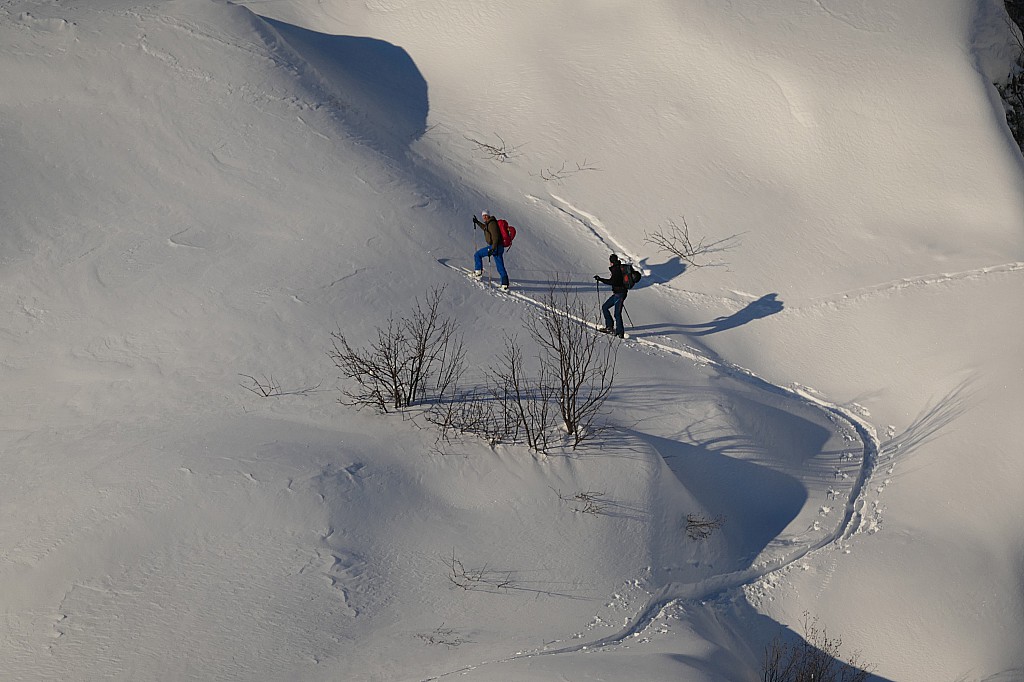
[{"x": 630, "y": 275}]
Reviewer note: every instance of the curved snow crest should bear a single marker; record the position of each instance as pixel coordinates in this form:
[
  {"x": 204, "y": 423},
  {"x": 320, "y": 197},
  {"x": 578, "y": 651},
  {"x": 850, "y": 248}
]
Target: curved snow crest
[
  {"x": 372, "y": 88},
  {"x": 853, "y": 520}
]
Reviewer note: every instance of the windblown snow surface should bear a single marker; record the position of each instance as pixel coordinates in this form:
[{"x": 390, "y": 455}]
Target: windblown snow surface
[{"x": 196, "y": 194}]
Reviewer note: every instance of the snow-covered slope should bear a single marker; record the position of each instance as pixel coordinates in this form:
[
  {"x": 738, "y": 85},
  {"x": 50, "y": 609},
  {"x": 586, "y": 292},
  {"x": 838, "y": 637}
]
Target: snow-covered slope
[{"x": 200, "y": 192}]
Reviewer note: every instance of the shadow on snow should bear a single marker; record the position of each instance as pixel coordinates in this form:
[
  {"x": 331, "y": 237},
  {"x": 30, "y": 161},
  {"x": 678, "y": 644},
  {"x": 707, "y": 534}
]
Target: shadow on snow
[
  {"x": 767, "y": 305},
  {"x": 377, "y": 86}
]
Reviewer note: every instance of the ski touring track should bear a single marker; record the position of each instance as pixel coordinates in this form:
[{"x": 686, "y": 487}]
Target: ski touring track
[{"x": 678, "y": 594}]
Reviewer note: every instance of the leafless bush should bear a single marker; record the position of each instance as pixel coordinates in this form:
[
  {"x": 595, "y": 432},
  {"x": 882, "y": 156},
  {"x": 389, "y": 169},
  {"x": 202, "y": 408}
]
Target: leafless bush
[
  {"x": 414, "y": 357},
  {"x": 421, "y": 358},
  {"x": 481, "y": 412},
  {"x": 563, "y": 173},
  {"x": 677, "y": 241},
  {"x": 269, "y": 387},
  {"x": 586, "y": 502},
  {"x": 699, "y": 527},
  {"x": 444, "y": 636},
  {"x": 477, "y": 578},
  {"x": 816, "y": 658},
  {"x": 580, "y": 363},
  {"x": 526, "y": 401},
  {"x": 499, "y": 152}
]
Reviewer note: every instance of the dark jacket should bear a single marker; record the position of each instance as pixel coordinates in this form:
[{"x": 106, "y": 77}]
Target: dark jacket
[
  {"x": 492, "y": 233},
  {"x": 617, "y": 279}
]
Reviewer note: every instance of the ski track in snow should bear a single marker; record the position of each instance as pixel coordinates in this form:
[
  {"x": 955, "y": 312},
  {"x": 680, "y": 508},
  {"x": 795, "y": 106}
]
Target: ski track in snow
[
  {"x": 596, "y": 229},
  {"x": 886, "y": 288},
  {"x": 590, "y": 222},
  {"x": 674, "y": 593}
]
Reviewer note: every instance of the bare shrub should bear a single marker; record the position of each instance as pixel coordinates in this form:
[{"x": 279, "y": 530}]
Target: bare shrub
[
  {"x": 563, "y": 172},
  {"x": 816, "y": 658},
  {"x": 421, "y": 359},
  {"x": 499, "y": 152},
  {"x": 481, "y": 412},
  {"x": 269, "y": 387},
  {"x": 444, "y": 637},
  {"x": 477, "y": 578},
  {"x": 526, "y": 402},
  {"x": 699, "y": 527},
  {"x": 413, "y": 358},
  {"x": 676, "y": 240},
  {"x": 580, "y": 363},
  {"x": 586, "y": 502}
]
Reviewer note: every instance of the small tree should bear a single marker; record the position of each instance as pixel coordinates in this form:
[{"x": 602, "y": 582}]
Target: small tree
[
  {"x": 413, "y": 357},
  {"x": 580, "y": 363},
  {"x": 526, "y": 402}
]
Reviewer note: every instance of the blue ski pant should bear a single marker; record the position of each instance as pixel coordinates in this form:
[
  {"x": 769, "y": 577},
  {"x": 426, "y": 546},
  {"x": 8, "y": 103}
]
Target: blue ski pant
[
  {"x": 614, "y": 301},
  {"x": 496, "y": 252}
]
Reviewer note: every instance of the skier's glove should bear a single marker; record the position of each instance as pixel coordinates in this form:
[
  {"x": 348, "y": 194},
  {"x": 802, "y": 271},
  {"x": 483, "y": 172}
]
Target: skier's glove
[{"x": 597, "y": 278}]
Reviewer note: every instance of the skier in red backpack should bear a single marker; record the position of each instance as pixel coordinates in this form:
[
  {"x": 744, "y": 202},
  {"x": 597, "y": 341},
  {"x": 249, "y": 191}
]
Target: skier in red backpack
[{"x": 495, "y": 247}]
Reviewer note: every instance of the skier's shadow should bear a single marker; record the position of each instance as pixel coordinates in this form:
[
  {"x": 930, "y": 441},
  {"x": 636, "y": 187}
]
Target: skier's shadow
[{"x": 769, "y": 304}]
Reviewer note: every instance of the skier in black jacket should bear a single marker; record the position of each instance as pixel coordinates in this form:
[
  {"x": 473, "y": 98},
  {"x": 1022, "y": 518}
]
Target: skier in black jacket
[{"x": 617, "y": 282}]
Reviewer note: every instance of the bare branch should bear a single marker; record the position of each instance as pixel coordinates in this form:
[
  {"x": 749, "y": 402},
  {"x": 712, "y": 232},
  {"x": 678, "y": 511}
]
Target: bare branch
[
  {"x": 445, "y": 637},
  {"x": 526, "y": 402},
  {"x": 414, "y": 358},
  {"x": 562, "y": 173},
  {"x": 586, "y": 502},
  {"x": 268, "y": 387},
  {"x": 501, "y": 151},
  {"x": 676, "y": 240},
  {"x": 477, "y": 578},
  {"x": 580, "y": 363}
]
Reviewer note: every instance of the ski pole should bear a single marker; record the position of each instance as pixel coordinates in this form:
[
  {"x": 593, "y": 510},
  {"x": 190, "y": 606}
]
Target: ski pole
[{"x": 627, "y": 315}]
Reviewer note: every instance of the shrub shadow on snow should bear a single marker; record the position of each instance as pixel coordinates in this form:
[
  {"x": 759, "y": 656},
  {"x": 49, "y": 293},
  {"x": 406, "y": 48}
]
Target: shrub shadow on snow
[
  {"x": 663, "y": 272},
  {"x": 376, "y": 85},
  {"x": 930, "y": 423}
]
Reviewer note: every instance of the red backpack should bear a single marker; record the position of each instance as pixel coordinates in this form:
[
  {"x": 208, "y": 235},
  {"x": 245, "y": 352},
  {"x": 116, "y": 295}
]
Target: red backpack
[{"x": 508, "y": 233}]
